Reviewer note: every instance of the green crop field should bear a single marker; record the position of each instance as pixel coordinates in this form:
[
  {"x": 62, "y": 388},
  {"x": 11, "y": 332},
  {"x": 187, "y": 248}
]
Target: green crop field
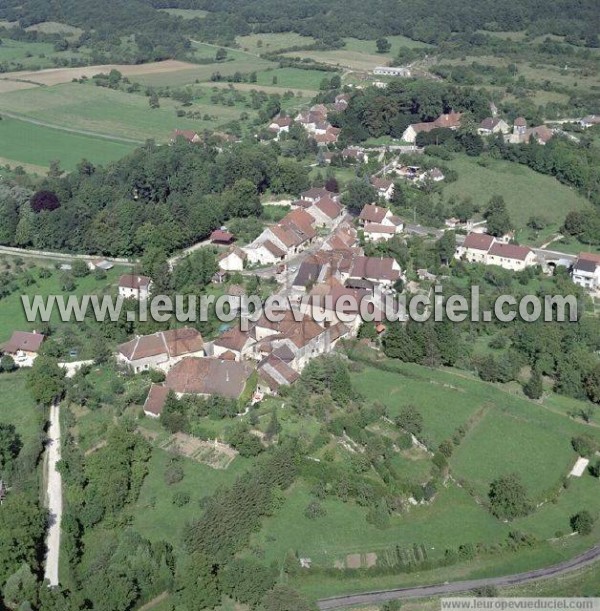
[
  {"x": 525, "y": 191},
  {"x": 104, "y": 111},
  {"x": 293, "y": 78},
  {"x": 27, "y": 143}
]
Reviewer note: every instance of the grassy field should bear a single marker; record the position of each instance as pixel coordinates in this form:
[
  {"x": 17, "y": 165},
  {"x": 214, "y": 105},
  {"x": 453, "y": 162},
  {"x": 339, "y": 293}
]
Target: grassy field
[
  {"x": 16, "y": 406},
  {"x": 105, "y": 111},
  {"x": 359, "y": 54},
  {"x": 186, "y": 13},
  {"x": 17, "y": 54},
  {"x": 293, "y": 78},
  {"x": 344, "y": 529},
  {"x": 12, "y": 315},
  {"x": 35, "y": 145},
  {"x": 526, "y": 192},
  {"x": 156, "y": 517},
  {"x": 269, "y": 43}
]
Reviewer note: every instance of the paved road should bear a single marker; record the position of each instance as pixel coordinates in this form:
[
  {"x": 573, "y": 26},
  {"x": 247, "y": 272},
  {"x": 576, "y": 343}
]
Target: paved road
[
  {"x": 54, "y": 497},
  {"x": 448, "y": 589},
  {"x": 58, "y": 256}
]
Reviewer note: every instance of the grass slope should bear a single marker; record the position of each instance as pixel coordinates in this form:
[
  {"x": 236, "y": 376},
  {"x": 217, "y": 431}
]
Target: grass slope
[{"x": 526, "y": 192}]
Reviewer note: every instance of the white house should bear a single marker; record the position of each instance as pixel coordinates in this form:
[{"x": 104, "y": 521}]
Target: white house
[
  {"x": 493, "y": 125},
  {"x": 510, "y": 256},
  {"x": 586, "y": 271},
  {"x": 385, "y": 187},
  {"x": 263, "y": 252},
  {"x": 475, "y": 248},
  {"x": 233, "y": 260},
  {"x": 376, "y": 232},
  {"x": 372, "y": 213},
  {"x": 134, "y": 286},
  {"x": 403, "y": 71}
]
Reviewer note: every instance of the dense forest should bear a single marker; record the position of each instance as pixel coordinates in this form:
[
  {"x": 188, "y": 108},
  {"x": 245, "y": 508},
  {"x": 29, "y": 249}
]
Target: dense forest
[
  {"x": 158, "y": 198},
  {"x": 160, "y": 35},
  {"x": 421, "y": 20}
]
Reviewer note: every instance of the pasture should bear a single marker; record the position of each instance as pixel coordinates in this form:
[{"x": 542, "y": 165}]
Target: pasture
[
  {"x": 35, "y": 146},
  {"x": 155, "y": 516},
  {"x": 103, "y": 111},
  {"x": 344, "y": 530},
  {"x": 525, "y": 191}
]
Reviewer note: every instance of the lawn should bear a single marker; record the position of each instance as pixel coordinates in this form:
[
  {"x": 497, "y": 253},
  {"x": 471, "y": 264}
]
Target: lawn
[
  {"x": 156, "y": 517},
  {"x": 17, "y": 406},
  {"x": 36, "y": 146},
  {"x": 105, "y": 111},
  {"x": 526, "y": 192}
]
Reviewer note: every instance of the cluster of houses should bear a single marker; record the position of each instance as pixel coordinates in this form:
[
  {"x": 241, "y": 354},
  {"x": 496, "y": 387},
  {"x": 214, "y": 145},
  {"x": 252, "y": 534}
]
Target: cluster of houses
[
  {"x": 316, "y": 209},
  {"x": 324, "y": 297},
  {"x": 314, "y": 121},
  {"x": 519, "y": 134},
  {"x": 486, "y": 249}
]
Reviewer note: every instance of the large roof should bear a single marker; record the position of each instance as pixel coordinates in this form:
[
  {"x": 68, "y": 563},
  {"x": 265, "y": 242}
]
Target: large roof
[
  {"x": 173, "y": 343},
  {"x": 209, "y": 376},
  {"x": 23, "y": 340},
  {"x": 509, "y": 251},
  {"x": 373, "y": 214},
  {"x": 478, "y": 241},
  {"x": 377, "y": 268}
]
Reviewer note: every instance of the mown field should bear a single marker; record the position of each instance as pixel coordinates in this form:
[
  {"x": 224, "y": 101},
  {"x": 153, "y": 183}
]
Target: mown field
[
  {"x": 526, "y": 192},
  {"x": 35, "y": 146},
  {"x": 106, "y": 111},
  {"x": 358, "y": 54}
]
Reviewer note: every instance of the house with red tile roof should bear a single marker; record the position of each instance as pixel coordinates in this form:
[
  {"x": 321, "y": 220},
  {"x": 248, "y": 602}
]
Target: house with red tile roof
[
  {"x": 23, "y": 346},
  {"x": 209, "y": 376},
  {"x": 484, "y": 248},
  {"x": 160, "y": 350},
  {"x": 135, "y": 286},
  {"x": 325, "y": 211}
]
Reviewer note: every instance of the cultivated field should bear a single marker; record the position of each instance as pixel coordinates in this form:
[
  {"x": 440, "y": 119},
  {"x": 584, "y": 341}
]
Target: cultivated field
[
  {"x": 35, "y": 146},
  {"x": 99, "y": 110},
  {"x": 57, "y": 76}
]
